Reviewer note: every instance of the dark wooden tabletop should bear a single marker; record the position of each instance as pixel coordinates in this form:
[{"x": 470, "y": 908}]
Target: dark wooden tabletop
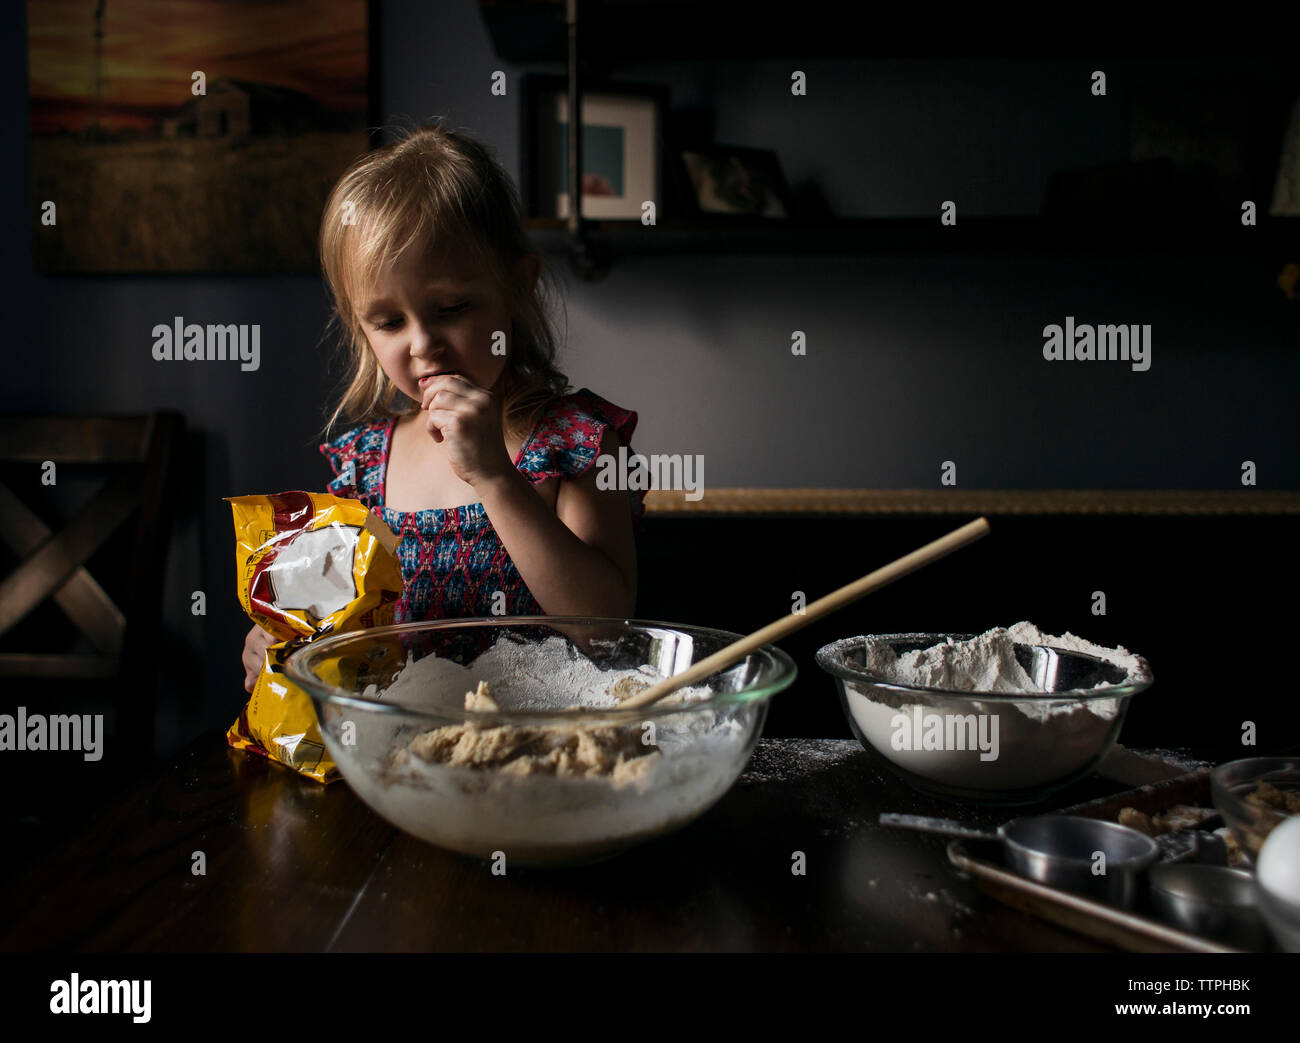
[{"x": 292, "y": 865}]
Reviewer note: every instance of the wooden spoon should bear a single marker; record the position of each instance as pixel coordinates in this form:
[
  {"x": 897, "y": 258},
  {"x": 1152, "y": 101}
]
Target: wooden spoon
[{"x": 821, "y": 607}]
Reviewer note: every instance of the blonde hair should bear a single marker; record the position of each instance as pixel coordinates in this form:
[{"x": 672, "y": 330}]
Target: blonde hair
[{"x": 440, "y": 188}]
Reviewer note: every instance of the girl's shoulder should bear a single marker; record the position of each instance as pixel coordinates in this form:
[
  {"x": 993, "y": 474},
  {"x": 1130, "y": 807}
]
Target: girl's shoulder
[
  {"x": 565, "y": 441},
  {"x": 357, "y": 456},
  {"x": 566, "y": 438}
]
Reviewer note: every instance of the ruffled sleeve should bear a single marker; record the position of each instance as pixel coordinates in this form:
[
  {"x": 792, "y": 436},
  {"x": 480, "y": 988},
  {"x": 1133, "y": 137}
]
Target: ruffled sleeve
[
  {"x": 566, "y": 441},
  {"x": 352, "y": 455}
]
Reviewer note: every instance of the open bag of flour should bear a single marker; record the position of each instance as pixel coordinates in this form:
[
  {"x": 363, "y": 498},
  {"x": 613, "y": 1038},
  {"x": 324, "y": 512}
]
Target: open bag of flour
[{"x": 309, "y": 564}]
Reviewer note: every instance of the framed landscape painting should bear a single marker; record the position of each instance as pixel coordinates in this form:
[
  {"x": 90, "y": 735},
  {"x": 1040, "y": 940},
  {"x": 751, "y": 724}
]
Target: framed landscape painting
[{"x": 195, "y": 136}]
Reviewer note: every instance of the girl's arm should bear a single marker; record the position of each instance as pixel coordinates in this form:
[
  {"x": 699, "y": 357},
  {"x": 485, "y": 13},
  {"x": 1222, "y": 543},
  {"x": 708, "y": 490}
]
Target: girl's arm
[{"x": 581, "y": 560}]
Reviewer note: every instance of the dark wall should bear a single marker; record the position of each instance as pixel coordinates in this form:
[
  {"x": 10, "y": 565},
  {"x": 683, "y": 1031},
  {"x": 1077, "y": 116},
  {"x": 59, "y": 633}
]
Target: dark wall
[
  {"x": 912, "y": 360},
  {"x": 1203, "y": 599}
]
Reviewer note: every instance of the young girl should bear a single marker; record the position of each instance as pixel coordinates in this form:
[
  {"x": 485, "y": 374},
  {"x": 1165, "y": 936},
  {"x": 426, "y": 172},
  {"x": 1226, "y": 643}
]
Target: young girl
[{"x": 463, "y": 436}]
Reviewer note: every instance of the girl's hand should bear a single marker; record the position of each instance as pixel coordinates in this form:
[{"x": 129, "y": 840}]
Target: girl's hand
[
  {"x": 468, "y": 420},
  {"x": 254, "y": 658}
]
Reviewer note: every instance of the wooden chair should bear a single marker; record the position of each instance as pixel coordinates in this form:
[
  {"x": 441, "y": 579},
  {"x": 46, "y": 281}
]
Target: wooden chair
[{"x": 134, "y": 509}]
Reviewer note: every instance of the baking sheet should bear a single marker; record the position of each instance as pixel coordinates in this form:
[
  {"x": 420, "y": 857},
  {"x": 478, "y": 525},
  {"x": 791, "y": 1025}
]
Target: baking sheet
[{"x": 1106, "y": 923}]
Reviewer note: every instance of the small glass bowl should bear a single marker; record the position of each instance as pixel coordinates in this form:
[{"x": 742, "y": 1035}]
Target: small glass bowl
[
  {"x": 1251, "y": 823},
  {"x": 987, "y": 748}
]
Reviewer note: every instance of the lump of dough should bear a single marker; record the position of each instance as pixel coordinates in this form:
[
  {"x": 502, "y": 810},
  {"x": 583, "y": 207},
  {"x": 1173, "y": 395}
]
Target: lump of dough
[
  {"x": 481, "y": 699},
  {"x": 561, "y": 750},
  {"x": 626, "y": 687}
]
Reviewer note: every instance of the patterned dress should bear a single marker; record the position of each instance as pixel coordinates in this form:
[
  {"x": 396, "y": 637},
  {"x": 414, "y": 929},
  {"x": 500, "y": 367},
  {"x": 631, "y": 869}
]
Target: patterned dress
[{"x": 452, "y": 559}]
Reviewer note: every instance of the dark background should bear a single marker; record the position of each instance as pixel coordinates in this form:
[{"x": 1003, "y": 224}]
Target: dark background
[
  {"x": 1205, "y": 600},
  {"x": 914, "y": 358}
]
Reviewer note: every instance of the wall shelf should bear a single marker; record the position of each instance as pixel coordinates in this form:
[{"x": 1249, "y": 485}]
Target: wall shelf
[
  {"x": 594, "y": 37},
  {"x": 1273, "y": 240},
  {"x": 668, "y": 503}
]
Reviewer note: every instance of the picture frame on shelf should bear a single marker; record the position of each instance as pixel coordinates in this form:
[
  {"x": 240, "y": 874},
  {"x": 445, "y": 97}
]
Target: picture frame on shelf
[
  {"x": 622, "y": 148},
  {"x": 734, "y": 180}
]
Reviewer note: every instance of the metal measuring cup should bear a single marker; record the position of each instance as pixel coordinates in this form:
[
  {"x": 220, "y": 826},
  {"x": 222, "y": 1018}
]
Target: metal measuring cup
[
  {"x": 1213, "y": 901},
  {"x": 1061, "y": 851}
]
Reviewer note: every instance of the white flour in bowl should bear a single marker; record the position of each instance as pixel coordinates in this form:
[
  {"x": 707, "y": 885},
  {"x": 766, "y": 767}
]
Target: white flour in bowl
[
  {"x": 970, "y": 744},
  {"x": 984, "y": 663},
  {"x": 531, "y": 816}
]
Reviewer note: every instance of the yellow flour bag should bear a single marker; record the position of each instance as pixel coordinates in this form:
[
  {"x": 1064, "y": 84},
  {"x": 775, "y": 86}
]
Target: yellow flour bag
[{"x": 309, "y": 564}]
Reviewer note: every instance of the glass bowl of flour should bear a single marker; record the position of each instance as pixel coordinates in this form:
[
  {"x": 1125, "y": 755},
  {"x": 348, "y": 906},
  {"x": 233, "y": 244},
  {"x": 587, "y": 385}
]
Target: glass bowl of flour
[
  {"x": 1004, "y": 717},
  {"x": 504, "y": 738}
]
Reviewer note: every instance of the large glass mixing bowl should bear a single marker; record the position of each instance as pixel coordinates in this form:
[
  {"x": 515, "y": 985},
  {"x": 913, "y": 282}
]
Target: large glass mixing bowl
[{"x": 376, "y": 690}]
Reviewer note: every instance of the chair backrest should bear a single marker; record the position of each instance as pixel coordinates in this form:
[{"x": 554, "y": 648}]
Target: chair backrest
[{"x": 138, "y": 453}]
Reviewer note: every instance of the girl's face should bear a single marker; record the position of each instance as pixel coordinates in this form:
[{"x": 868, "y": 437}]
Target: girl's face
[{"x": 430, "y": 314}]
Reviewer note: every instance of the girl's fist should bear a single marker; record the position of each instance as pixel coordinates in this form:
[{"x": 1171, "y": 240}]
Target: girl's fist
[{"x": 467, "y": 420}]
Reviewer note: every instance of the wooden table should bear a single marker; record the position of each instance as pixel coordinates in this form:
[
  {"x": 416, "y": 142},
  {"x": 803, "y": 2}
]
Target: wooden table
[{"x": 295, "y": 866}]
